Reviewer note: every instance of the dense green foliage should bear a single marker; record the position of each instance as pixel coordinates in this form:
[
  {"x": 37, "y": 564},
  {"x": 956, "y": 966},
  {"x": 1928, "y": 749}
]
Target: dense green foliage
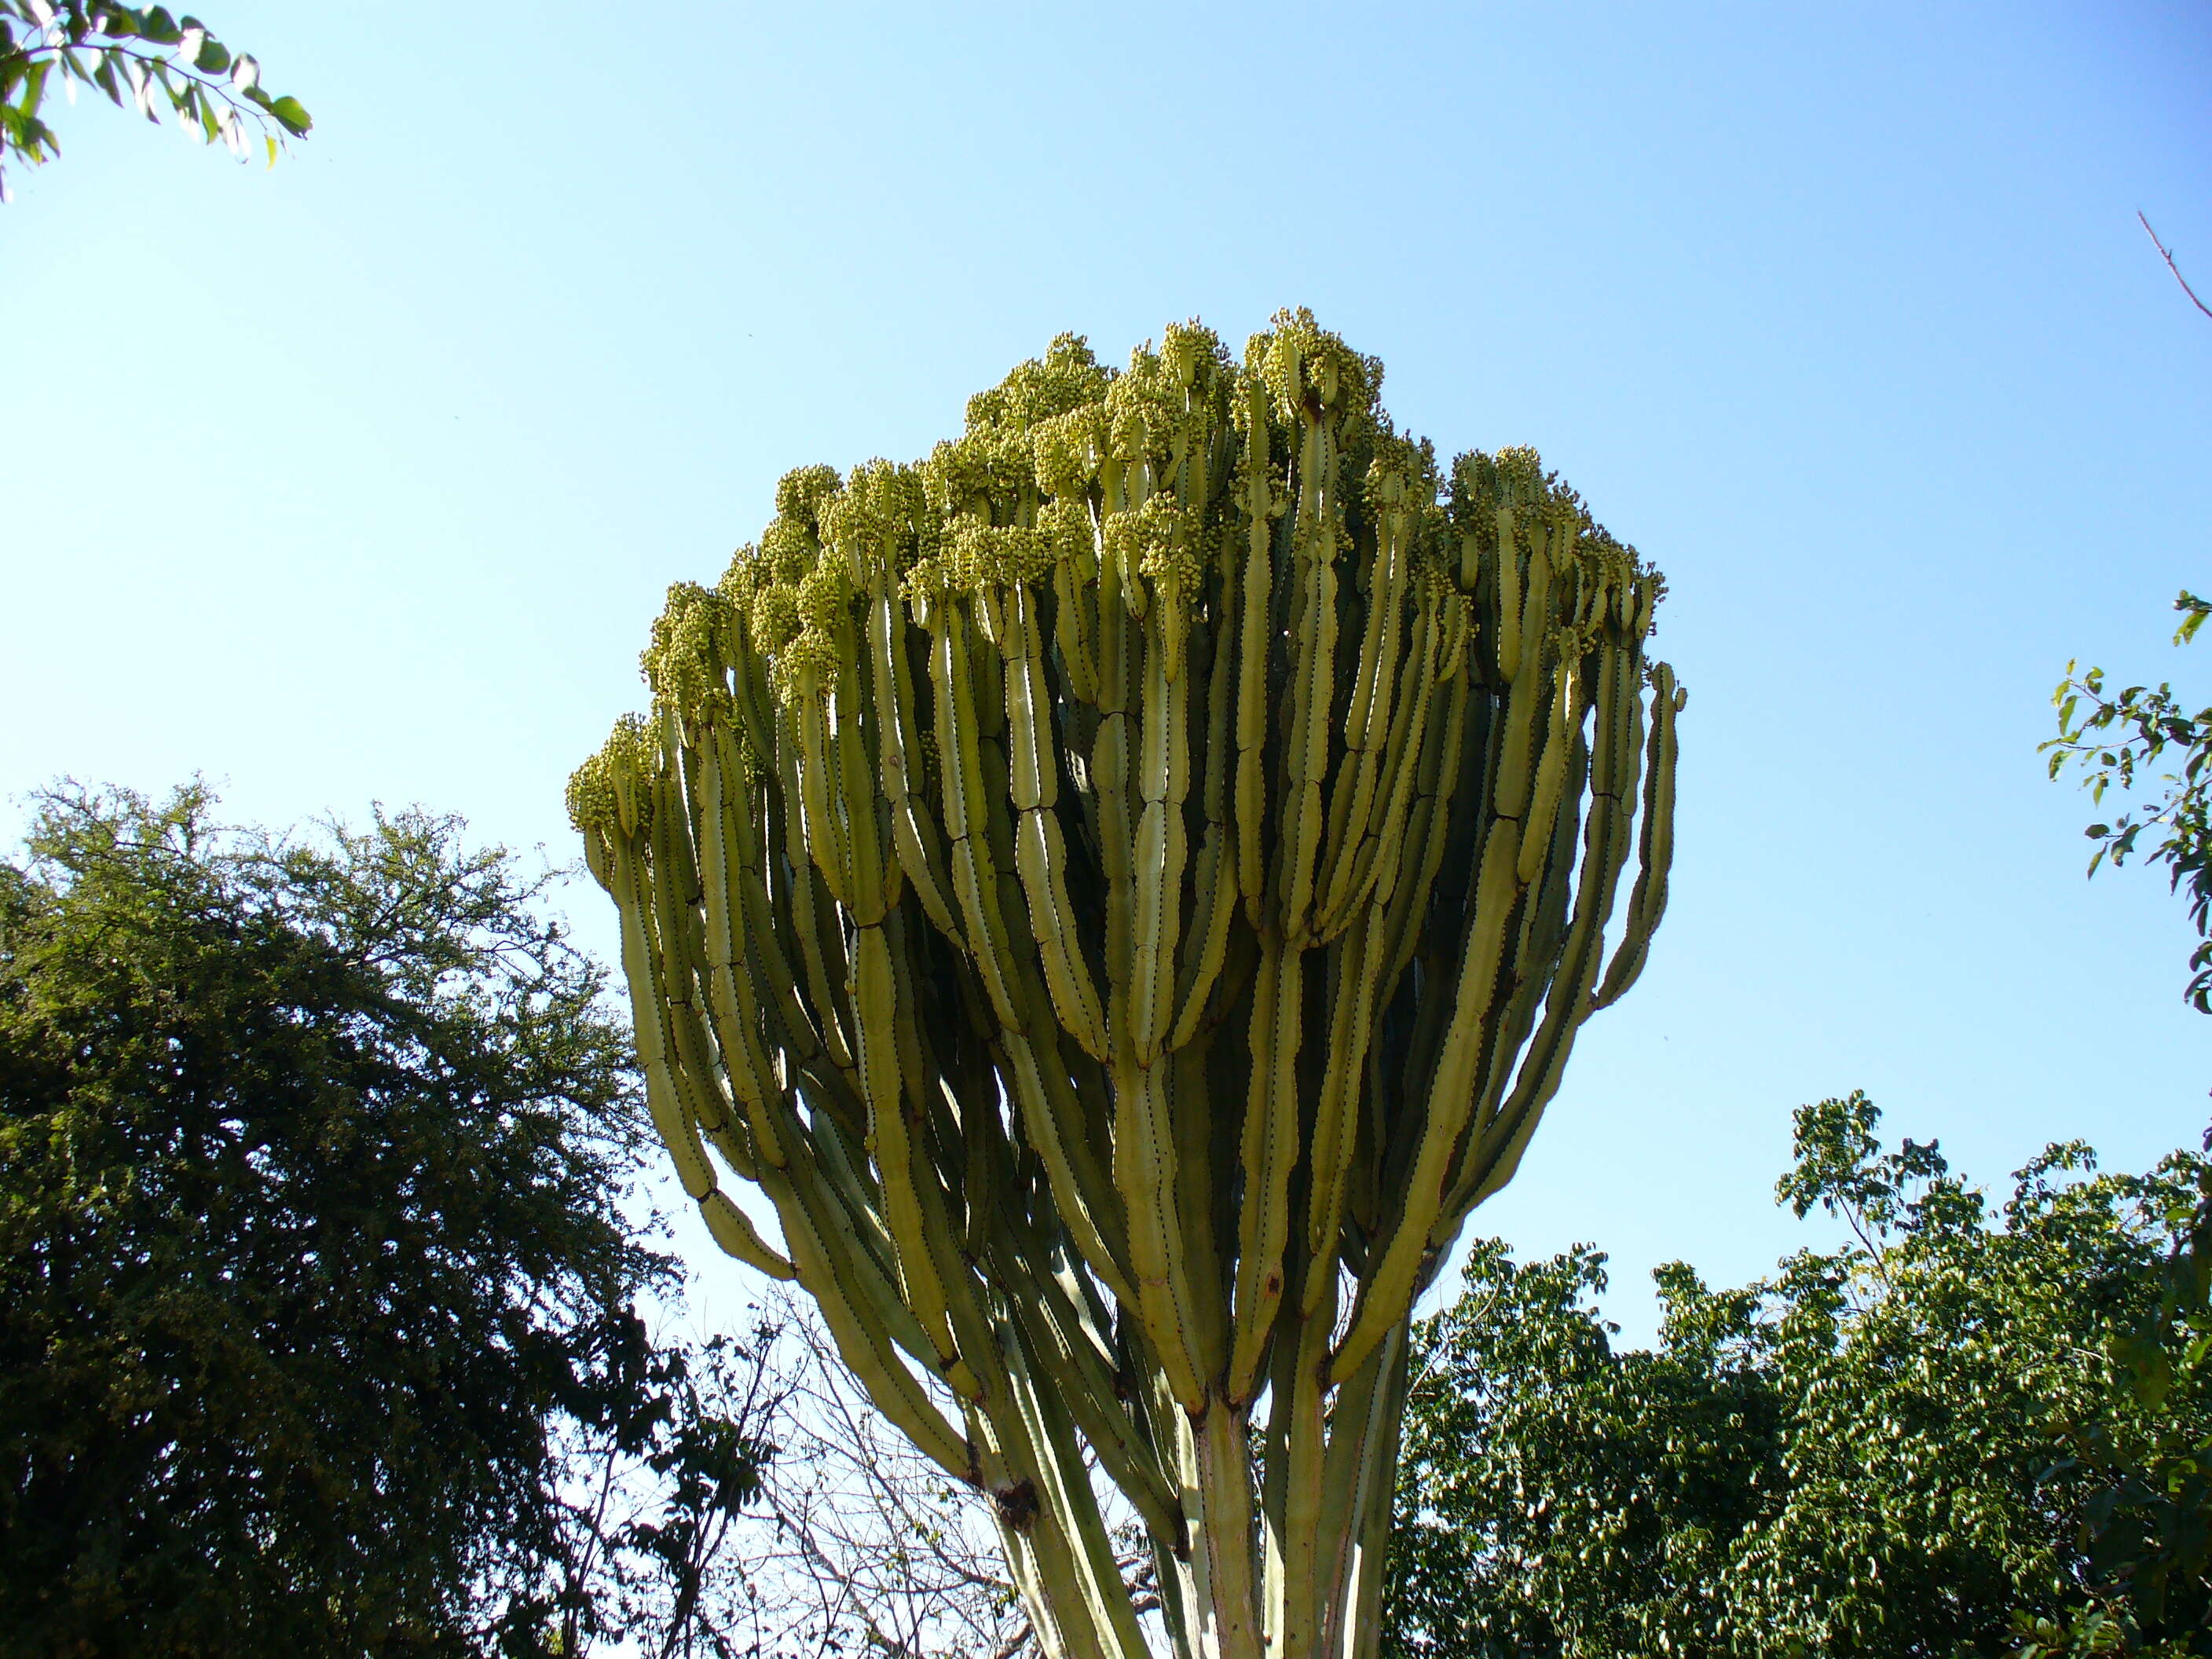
[
  {"x": 312, "y": 1278},
  {"x": 1877, "y": 1451},
  {"x": 167, "y": 66},
  {"x": 2146, "y": 1457}
]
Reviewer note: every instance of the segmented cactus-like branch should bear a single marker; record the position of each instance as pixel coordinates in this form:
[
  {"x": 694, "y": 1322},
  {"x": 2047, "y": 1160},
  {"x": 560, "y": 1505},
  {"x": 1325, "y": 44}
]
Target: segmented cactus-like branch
[{"x": 1124, "y": 889}]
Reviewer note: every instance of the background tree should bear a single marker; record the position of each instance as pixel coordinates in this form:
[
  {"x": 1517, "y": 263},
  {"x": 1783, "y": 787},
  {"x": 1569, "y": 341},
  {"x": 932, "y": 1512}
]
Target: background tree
[
  {"x": 1868, "y": 1453},
  {"x": 856, "y": 1540},
  {"x": 2143, "y": 1453},
  {"x": 652, "y": 1545},
  {"x": 861, "y": 1543},
  {"x": 1948, "y": 1438},
  {"x": 2148, "y": 1526},
  {"x": 1125, "y": 888},
  {"x": 2148, "y": 1529},
  {"x": 313, "y": 1263},
  {"x": 826, "y": 1533},
  {"x": 167, "y": 66}
]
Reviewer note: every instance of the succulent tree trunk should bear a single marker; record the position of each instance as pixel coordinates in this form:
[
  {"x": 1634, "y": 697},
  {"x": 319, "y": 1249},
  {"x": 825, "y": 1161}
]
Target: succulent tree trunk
[{"x": 1123, "y": 890}]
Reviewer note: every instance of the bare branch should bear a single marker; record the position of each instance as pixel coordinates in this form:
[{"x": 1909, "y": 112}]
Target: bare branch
[{"x": 2165, "y": 253}]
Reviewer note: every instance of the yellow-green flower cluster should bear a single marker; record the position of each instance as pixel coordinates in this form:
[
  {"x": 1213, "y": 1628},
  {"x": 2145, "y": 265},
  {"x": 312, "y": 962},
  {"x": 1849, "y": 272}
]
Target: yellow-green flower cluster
[{"x": 610, "y": 793}]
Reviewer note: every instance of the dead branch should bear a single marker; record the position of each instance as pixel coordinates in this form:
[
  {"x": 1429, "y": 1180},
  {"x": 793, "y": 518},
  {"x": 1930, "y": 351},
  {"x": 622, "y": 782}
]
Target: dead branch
[{"x": 2165, "y": 253}]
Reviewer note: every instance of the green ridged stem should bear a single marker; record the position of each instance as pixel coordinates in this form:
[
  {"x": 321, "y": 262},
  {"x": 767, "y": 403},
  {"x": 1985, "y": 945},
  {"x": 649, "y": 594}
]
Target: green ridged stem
[{"x": 1124, "y": 889}]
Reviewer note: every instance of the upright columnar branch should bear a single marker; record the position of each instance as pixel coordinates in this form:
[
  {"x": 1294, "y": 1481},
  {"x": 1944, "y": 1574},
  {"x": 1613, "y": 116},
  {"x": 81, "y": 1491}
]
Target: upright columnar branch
[{"x": 1124, "y": 889}]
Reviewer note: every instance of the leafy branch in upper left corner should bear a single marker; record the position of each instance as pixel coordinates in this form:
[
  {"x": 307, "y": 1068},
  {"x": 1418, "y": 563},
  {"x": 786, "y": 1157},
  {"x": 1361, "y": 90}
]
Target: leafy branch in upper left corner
[{"x": 167, "y": 65}]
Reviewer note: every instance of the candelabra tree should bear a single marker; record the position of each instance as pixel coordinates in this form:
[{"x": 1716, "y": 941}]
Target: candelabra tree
[{"x": 1123, "y": 889}]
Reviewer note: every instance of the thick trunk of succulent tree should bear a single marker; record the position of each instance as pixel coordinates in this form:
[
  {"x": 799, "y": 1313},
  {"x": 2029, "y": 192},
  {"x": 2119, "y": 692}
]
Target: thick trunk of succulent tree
[
  {"x": 1124, "y": 890},
  {"x": 1251, "y": 1565}
]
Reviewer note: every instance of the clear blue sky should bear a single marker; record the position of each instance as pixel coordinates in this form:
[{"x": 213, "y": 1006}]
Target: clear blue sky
[{"x": 361, "y": 479}]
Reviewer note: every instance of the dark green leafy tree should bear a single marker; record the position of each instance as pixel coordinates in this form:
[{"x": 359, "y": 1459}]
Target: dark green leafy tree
[
  {"x": 317, "y": 1303},
  {"x": 2144, "y": 1455},
  {"x": 1867, "y": 1454},
  {"x": 164, "y": 66},
  {"x": 1560, "y": 1496}
]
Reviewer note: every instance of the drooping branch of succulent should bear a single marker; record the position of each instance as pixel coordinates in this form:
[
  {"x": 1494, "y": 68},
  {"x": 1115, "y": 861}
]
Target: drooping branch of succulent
[{"x": 1124, "y": 889}]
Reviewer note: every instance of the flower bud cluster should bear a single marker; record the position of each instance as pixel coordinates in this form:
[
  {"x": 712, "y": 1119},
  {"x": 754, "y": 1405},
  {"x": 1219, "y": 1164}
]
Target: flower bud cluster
[{"x": 1168, "y": 473}]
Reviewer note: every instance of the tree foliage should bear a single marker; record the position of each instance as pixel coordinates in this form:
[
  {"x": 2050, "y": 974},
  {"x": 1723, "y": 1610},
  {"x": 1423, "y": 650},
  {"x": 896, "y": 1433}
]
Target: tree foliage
[
  {"x": 2147, "y": 1528},
  {"x": 2146, "y": 1459},
  {"x": 2116, "y": 739},
  {"x": 1874, "y": 1452},
  {"x": 651, "y": 1516},
  {"x": 313, "y": 1278},
  {"x": 166, "y": 66}
]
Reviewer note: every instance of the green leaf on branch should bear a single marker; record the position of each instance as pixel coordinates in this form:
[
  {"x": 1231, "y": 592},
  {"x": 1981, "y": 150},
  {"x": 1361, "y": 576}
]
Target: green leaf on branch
[
  {"x": 94, "y": 41},
  {"x": 2195, "y": 610},
  {"x": 2133, "y": 732}
]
